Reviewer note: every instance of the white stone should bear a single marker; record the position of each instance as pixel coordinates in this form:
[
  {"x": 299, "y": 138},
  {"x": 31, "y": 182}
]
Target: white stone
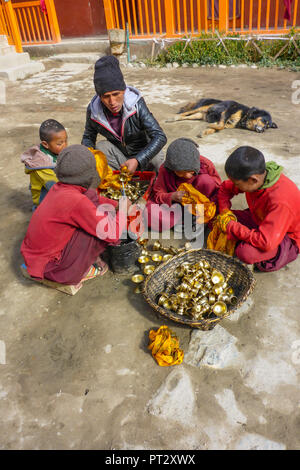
[
  {"x": 268, "y": 371},
  {"x": 242, "y": 310},
  {"x": 227, "y": 401},
  {"x": 169, "y": 65},
  {"x": 108, "y": 348},
  {"x": 258, "y": 442},
  {"x": 195, "y": 65},
  {"x": 175, "y": 399},
  {"x": 175, "y": 65},
  {"x": 125, "y": 371},
  {"x": 262, "y": 420},
  {"x": 222, "y": 66},
  {"x": 214, "y": 348},
  {"x": 185, "y": 65}
]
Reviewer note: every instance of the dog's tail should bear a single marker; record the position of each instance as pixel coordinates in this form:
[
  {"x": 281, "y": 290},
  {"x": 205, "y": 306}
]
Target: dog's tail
[
  {"x": 188, "y": 107},
  {"x": 198, "y": 104}
]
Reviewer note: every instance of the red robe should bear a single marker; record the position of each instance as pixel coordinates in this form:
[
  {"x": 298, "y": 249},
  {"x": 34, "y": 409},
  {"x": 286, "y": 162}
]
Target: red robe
[
  {"x": 207, "y": 182},
  {"x": 64, "y": 210},
  {"x": 276, "y": 211}
]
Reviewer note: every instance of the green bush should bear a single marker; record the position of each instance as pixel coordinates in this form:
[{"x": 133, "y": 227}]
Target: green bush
[{"x": 211, "y": 52}]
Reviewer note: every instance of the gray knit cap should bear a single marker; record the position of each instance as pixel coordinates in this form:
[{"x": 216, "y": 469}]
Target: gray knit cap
[
  {"x": 77, "y": 165},
  {"x": 183, "y": 155}
]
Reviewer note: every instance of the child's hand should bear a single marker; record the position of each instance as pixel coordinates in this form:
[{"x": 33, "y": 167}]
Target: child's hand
[{"x": 177, "y": 196}]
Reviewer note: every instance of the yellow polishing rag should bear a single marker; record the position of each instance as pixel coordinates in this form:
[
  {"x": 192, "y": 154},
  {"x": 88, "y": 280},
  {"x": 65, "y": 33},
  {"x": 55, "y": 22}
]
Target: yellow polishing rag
[
  {"x": 200, "y": 205},
  {"x": 108, "y": 179},
  {"x": 164, "y": 346},
  {"x": 217, "y": 239}
]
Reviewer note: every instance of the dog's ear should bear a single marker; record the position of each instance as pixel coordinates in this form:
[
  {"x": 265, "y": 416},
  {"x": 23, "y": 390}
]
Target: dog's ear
[{"x": 274, "y": 126}]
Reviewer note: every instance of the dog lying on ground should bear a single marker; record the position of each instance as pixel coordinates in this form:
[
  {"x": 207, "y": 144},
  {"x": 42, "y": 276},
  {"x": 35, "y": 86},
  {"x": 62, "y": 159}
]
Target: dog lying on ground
[{"x": 225, "y": 115}]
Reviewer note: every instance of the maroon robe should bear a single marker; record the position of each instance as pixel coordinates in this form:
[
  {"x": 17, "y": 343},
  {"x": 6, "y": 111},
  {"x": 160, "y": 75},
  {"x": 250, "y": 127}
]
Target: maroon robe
[{"x": 207, "y": 182}]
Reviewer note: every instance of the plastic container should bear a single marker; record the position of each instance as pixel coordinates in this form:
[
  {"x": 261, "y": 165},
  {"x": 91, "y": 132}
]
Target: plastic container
[{"x": 122, "y": 258}]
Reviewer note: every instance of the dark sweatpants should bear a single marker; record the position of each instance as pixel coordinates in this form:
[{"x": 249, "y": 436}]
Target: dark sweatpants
[
  {"x": 272, "y": 260},
  {"x": 78, "y": 255}
]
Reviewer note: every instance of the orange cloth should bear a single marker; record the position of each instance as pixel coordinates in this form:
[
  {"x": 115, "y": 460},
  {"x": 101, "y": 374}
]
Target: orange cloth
[
  {"x": 198, "y": 203},
  {"x": 217, "y": 239},
  {"x": 164, "y": 346}
]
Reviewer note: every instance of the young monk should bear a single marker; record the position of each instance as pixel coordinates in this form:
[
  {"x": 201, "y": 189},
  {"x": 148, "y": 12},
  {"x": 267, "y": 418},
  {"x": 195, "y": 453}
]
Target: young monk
[
  {"x": 183, "y": 164},
  {"x": 70, "y": 230},
  {"x": 268, "y": 233},
  {"x": 40, "y": 160}
]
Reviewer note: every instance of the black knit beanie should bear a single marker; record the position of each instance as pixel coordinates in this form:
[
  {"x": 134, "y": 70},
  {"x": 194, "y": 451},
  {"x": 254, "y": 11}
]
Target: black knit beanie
[
  {"x": 108, "y": 75},
  {"x": 183, "y": 155},
  {"x": 77, "y": 165}
]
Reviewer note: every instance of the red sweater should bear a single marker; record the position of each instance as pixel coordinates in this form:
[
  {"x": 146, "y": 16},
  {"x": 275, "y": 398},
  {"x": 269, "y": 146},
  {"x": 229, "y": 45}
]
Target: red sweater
[
  {"x": 276, "y": 211},
  {"x": 207, "y": 182},
  {"x": 53, "y": 223}
]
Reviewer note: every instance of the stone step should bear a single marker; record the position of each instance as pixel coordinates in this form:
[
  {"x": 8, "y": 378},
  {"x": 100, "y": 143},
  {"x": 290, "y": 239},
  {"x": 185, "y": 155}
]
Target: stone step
[
  {"x": 80, "y": 57},
  {"x": 21, "y": 71},
  {"x": 14, "y": 59},
  {"x": 3, "y": 40},
  {"x": 4, "y": 50}
]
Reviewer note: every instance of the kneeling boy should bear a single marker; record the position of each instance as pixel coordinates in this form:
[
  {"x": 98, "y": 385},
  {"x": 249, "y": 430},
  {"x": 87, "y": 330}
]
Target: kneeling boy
[
  {"x": 69, "y": 231},
  {"x": 183, "y": 164},
  {"x": 268, "y": 233}
]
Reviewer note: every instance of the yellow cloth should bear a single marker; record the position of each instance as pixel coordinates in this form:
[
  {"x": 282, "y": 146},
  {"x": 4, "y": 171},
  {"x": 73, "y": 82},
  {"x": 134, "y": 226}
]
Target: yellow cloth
[
  {"x": 217, "y": 239},
  {"x": 200, "y": 205},
  {"x": 38, "y": 179},
  {"x": 108, "y": 179},
  {"x": 164, "y": 346}
]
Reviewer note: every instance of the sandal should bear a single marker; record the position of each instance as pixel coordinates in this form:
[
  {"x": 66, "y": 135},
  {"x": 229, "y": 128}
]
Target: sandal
[{"x": 95, "y": 271}]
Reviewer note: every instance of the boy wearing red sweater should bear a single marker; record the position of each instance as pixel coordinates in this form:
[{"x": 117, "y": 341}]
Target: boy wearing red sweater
[
  {"x": 183, "y": 164},
  {"x": 268, "y": 233},
  {"x": 71, "y": 229}
]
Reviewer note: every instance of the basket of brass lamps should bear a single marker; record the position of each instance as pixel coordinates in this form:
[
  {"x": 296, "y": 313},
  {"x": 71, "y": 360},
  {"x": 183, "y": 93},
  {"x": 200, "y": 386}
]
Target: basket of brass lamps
[{"x": 198, "y": 288}]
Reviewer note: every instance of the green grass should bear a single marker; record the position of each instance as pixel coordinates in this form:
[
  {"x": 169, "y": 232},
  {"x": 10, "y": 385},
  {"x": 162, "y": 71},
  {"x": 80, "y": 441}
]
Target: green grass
[{"x": 238, "y": 52}]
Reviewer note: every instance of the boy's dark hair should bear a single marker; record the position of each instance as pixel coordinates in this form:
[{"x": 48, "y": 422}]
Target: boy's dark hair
[
  {"x": 245, "y": 162},
  {"x": 48, "y": 128}
]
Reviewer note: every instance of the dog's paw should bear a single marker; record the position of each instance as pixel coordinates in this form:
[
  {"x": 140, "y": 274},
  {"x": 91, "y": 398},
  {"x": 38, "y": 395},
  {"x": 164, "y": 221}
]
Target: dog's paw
[{"x": 207, "y": 132}]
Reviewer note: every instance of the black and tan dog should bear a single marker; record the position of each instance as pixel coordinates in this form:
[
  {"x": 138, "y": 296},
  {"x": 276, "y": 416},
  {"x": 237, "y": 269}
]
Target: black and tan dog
[{"x": 225, "y": 115}]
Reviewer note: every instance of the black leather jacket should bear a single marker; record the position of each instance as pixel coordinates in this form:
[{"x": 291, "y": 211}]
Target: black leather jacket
[{"x": 142, "y": 137}]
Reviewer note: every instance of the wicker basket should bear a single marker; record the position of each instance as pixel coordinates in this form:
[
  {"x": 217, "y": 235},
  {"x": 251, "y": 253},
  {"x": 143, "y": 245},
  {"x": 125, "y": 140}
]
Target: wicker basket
[{"x": 242, "y": 282}]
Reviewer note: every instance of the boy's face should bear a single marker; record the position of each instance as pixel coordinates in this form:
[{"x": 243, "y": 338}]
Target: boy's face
[
  {"x": 188, "y": 174},
  {"x": 253, "y": 183},
  {"x": 59, "y": 141},
  {"x": 113, "y": 100}
]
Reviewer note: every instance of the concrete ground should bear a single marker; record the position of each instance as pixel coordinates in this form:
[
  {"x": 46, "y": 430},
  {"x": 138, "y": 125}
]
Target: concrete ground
[{"x": 75, "y": 372}]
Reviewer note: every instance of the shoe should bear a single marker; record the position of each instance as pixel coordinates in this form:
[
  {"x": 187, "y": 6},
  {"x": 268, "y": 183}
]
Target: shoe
[{"x": 95, "y": 271}]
